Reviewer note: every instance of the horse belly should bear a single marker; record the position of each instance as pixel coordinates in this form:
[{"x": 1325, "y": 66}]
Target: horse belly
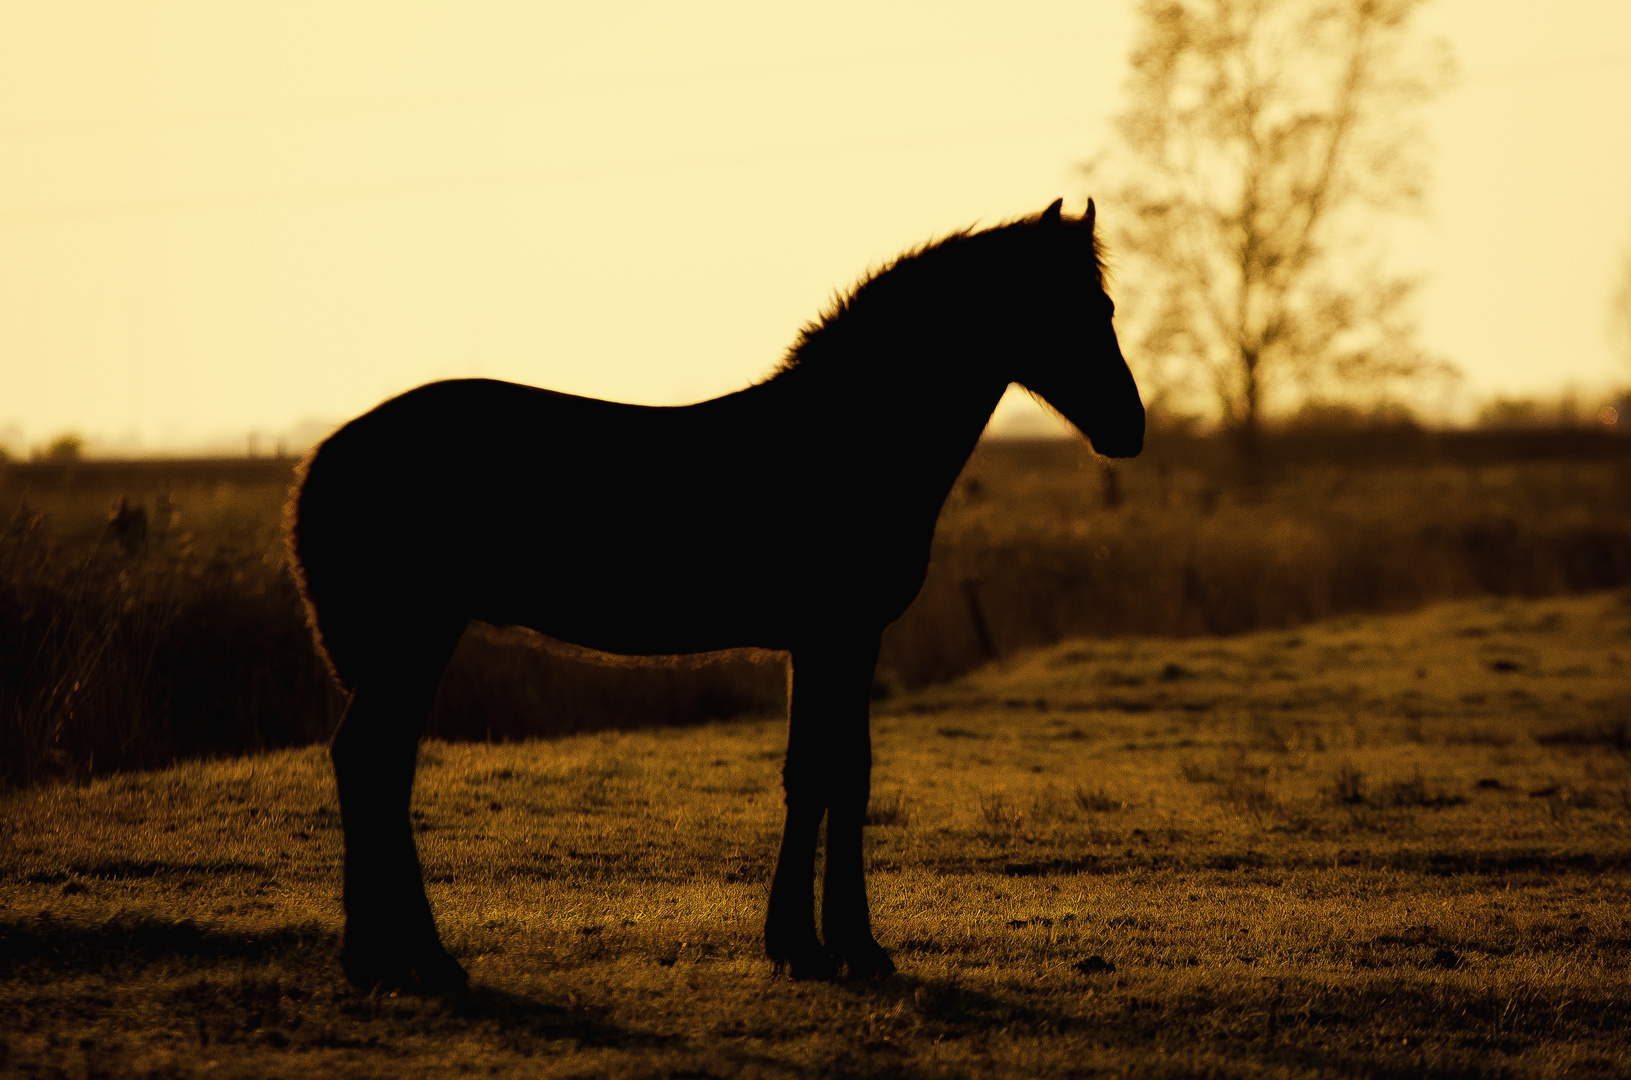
[{"x": 645, "y": 593}]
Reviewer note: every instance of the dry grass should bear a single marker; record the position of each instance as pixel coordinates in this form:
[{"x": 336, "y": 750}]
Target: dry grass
[
  {"x": 1366, "y": 848},
  {"x": 129, "y": 646}
]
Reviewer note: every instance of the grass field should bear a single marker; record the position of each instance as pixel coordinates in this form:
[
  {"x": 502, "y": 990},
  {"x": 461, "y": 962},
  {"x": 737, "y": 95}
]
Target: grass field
[{"x": 1379, "y": 846}]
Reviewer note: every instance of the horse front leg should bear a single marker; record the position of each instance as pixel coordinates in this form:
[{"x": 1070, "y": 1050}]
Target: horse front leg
[
  {"x": 790, "y": 937},
  {"x": 846, "y": 920},
  {"x": 828, "y": 772},
  {"x": 390, "y": 934}
]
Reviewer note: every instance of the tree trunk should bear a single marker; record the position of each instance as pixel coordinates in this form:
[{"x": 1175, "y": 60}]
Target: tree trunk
[{"x": 1248, "y": 431}]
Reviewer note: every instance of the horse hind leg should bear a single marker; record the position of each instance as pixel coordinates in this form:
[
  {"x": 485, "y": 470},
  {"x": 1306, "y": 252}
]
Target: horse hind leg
[{"x": 390, "y": 933}]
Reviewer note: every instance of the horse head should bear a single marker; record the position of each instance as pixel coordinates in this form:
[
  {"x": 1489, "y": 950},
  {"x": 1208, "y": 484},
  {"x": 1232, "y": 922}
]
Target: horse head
[{"x": 1070, "y": 356}]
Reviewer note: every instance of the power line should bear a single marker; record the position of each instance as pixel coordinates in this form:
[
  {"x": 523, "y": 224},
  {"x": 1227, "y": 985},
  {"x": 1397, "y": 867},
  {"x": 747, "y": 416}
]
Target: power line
[
  {"x": 1575, "y": 66},
  {"x": 575, "y": 173},
  {"x": 535, "y": 177},
  {"x": 527, "y": 92}
]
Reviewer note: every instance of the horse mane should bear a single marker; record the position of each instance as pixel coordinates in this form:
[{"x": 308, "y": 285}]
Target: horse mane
[{"x": 910, "y": 272}]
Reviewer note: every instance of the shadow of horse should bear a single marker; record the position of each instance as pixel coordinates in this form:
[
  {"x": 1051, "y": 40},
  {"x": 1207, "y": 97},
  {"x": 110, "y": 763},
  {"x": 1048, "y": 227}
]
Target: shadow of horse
[
  {"x": 49, "y": 950},
  {"x": 793, "y": 515},
  {"x": 43, "y": 947}
]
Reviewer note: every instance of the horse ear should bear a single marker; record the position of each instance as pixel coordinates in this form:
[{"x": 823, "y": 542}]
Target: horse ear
[
  {"x": 1050, "y": 216},
  {"x": 1089, "y": 215}
]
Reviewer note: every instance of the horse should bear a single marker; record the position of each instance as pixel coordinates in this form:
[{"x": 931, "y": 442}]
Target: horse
[{"x": 795, "y": 514}]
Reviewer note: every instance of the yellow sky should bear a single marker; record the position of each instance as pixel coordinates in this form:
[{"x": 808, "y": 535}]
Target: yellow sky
[{"x": 222, "y": 217}]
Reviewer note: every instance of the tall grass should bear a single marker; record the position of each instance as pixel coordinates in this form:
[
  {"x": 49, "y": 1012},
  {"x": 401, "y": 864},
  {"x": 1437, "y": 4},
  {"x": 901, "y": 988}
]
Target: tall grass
[
  {"x": 506, "y": 684},
  {"x": 129, "y": 647},
  {"x": 172, "y": 629},
  {"x": 1037, "y": 544}
]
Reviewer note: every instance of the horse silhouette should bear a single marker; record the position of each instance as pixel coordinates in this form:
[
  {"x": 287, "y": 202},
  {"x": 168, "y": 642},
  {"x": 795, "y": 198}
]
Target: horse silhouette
[{"x": 795, "y": 514}]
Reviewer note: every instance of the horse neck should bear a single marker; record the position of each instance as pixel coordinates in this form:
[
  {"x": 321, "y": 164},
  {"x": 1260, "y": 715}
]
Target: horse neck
[{"x": 910, "y": 396}]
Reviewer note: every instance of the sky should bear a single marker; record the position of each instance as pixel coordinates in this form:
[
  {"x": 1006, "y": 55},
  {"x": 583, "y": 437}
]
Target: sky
[{"x": 226, "y": 224}]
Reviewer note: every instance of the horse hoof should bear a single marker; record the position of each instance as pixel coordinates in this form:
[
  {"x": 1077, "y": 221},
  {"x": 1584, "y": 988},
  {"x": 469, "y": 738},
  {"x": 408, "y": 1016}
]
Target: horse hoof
[
  {"x": 799, "y": 952},
  {"x": 860, "y": 955},
  {"x": 806, "y": 965},
  {"x": 430, "y": 971},
  {"x": 439, "y": 974},
  {"x": 868, "y": 962},
  {"x": 816, "y": 967}
]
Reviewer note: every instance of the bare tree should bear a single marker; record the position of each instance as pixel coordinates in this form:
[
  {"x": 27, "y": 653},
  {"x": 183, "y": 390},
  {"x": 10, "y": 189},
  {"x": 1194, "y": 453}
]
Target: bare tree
[{"x": 1261, "y": 141}]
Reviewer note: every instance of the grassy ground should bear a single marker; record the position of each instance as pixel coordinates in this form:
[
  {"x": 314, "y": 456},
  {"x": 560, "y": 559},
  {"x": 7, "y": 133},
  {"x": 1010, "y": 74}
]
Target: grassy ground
[{"x": 1385, "y": 846}]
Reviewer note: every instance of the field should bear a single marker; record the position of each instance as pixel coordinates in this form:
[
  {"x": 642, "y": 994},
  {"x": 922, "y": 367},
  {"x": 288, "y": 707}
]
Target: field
[{"x": 1390, "y": 845}]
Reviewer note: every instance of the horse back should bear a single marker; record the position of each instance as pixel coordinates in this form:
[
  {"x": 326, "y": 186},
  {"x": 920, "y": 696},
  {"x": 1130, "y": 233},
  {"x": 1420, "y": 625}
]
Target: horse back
[{"x": 629, "y": 528}]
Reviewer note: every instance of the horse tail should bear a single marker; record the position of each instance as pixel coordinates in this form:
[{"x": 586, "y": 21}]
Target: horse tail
[
  {"x": 332, "y": 524},
  {"x": 364, "y": 552},
  {"x": 307, "y": 520}
]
